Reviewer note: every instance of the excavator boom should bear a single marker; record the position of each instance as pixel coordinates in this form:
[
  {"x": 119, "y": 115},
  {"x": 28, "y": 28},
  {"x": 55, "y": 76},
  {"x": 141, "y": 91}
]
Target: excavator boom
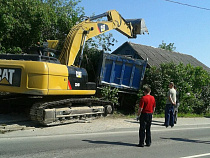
[{"x": 90, "y": 28}]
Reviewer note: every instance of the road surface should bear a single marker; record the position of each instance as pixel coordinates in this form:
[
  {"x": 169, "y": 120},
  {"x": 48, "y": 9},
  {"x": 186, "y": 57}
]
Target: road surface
[{"x": 107, "y": 138}]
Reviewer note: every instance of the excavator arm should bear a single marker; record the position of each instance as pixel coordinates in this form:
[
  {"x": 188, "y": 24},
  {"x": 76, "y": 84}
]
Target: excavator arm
[{"x": 89, "y": 28}]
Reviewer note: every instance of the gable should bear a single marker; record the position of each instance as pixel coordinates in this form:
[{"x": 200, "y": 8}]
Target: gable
[{"x": 127, "y": 50}]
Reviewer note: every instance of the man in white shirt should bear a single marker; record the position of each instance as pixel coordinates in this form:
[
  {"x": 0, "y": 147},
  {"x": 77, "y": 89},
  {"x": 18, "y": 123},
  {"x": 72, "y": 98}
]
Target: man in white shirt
[{"x": 170, "y": 103}]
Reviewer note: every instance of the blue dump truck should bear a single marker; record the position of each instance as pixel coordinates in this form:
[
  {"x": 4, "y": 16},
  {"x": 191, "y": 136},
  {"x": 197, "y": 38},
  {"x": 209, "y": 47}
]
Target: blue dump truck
[{"x": 121, "y": 72}]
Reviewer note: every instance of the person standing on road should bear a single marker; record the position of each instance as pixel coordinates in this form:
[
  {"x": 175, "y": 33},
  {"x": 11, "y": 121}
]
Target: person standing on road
[
  {"x": 146, "y": 109},
  {"x": 176, "y": 106},
  {"x": 170, "y": 103}
]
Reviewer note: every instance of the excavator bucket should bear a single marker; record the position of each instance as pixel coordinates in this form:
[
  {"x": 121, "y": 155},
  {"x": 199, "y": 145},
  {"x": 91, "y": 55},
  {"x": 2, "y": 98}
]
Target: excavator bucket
[{"x": 139, "y": 26}]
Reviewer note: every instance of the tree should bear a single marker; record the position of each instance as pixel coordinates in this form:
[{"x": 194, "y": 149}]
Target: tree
[
  {"x": 170, "y": 47},
  {"x": 26, "y": 22},
  {"x": 193, "y": 84},
  {"x": 105, "y": 41}
]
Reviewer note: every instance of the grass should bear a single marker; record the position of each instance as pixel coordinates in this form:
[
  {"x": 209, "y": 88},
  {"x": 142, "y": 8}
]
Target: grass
[
  {"x": 121, "y": 114},
  {"x": 207, "y": 115},
  {"x": 190, "y": 115}
]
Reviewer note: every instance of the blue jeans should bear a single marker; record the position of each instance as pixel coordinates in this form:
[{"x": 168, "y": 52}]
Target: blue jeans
[{"x": 169, "y": 115}]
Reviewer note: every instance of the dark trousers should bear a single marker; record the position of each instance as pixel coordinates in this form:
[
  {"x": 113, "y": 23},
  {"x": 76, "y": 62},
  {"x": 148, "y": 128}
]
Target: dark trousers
[
  {"x": 176, "y": 112},
  {"x": 145, "y": 124},
  {"x": 169, "y": 115}
]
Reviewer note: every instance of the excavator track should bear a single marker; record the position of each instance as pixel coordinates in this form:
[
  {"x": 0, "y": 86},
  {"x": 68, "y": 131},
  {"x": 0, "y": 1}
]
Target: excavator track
[
  {"x": 56, "y": 111},
  {"x": 68, "y": 110}
]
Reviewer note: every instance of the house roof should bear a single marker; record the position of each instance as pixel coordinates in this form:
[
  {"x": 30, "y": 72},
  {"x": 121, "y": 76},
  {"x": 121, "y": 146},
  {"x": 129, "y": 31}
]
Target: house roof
[{"x": 156, "y": 56}]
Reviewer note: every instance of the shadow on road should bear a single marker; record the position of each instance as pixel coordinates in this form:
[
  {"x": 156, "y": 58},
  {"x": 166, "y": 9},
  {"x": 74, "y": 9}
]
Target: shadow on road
[
  {"x": 188, "y": 140},
  {"x": 159, "y": 123},
  {"x": 107, "y": 142},
  {"x": 134, "y": 121}
]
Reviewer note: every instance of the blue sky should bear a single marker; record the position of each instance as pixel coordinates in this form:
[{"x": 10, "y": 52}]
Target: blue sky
[{"x": 187, "y": 27}]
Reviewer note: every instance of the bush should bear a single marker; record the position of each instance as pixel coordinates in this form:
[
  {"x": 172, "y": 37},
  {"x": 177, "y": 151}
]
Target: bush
[
  {"x": 110, "y": 94},
  {"x": 14, "y": 50},
  {"x": 193, "y": 85}
]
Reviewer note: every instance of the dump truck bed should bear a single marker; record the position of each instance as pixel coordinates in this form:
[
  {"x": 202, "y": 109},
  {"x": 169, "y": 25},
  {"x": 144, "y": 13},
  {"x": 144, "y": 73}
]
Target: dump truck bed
[{"x": 121, "y": 72}]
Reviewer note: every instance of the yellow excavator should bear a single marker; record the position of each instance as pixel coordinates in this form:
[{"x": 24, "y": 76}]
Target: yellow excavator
[{"x": 56, "y": 91}]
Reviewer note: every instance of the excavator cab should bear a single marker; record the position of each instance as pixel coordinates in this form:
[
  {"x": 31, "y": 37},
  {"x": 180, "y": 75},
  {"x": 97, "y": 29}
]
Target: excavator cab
[{"x": 48, "y": 48}]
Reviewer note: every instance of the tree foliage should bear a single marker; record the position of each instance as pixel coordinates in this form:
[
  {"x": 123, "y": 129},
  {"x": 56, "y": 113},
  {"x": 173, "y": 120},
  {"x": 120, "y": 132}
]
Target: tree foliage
[
  {"x": 193, "y": 85},
  {"x": 103, "y": 42},
  {"x": 91, "y": 62},
  {"x": 26, "y": 22},
  {"x": 170, "y": 47}
]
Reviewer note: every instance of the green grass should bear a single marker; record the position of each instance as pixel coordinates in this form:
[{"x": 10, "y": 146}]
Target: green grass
[
  {"x": 190, "y": 115},
  {"x": 207, "y": 115},
  {"x": 121, "y": 114}
]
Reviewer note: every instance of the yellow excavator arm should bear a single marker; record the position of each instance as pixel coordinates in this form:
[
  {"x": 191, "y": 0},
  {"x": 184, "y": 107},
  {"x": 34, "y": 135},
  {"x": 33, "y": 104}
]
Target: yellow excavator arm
[{"x": 87, "y": 29}]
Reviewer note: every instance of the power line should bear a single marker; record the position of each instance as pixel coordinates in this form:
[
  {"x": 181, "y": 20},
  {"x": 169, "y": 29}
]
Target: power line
[{"x": 188, "y": 5}]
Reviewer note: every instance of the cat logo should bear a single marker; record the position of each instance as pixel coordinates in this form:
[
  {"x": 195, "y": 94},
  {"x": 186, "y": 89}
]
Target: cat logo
[
  {"x": 102, "y": 27},
  {"x": 78, "y": 74},
  {"x": 6, "y": 76}
]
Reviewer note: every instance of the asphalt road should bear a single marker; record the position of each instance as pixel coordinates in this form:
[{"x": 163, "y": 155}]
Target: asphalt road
[{"x": 183, "y": 141}]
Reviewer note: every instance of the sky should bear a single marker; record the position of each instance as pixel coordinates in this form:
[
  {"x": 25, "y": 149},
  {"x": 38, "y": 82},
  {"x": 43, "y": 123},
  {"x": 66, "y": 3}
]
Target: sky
[{"x": 186, "y": 26}]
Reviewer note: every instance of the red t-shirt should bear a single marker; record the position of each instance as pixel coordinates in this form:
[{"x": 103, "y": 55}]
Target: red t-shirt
[{"x": 147, "y": 102}]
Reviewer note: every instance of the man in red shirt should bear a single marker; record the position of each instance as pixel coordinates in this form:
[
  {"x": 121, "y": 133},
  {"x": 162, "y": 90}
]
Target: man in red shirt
[{"x": 146, "y": 108}]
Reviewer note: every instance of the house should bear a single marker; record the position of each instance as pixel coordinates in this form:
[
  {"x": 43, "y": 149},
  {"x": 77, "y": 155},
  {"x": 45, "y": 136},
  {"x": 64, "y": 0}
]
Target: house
[{"x": 157, "y": 56}]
